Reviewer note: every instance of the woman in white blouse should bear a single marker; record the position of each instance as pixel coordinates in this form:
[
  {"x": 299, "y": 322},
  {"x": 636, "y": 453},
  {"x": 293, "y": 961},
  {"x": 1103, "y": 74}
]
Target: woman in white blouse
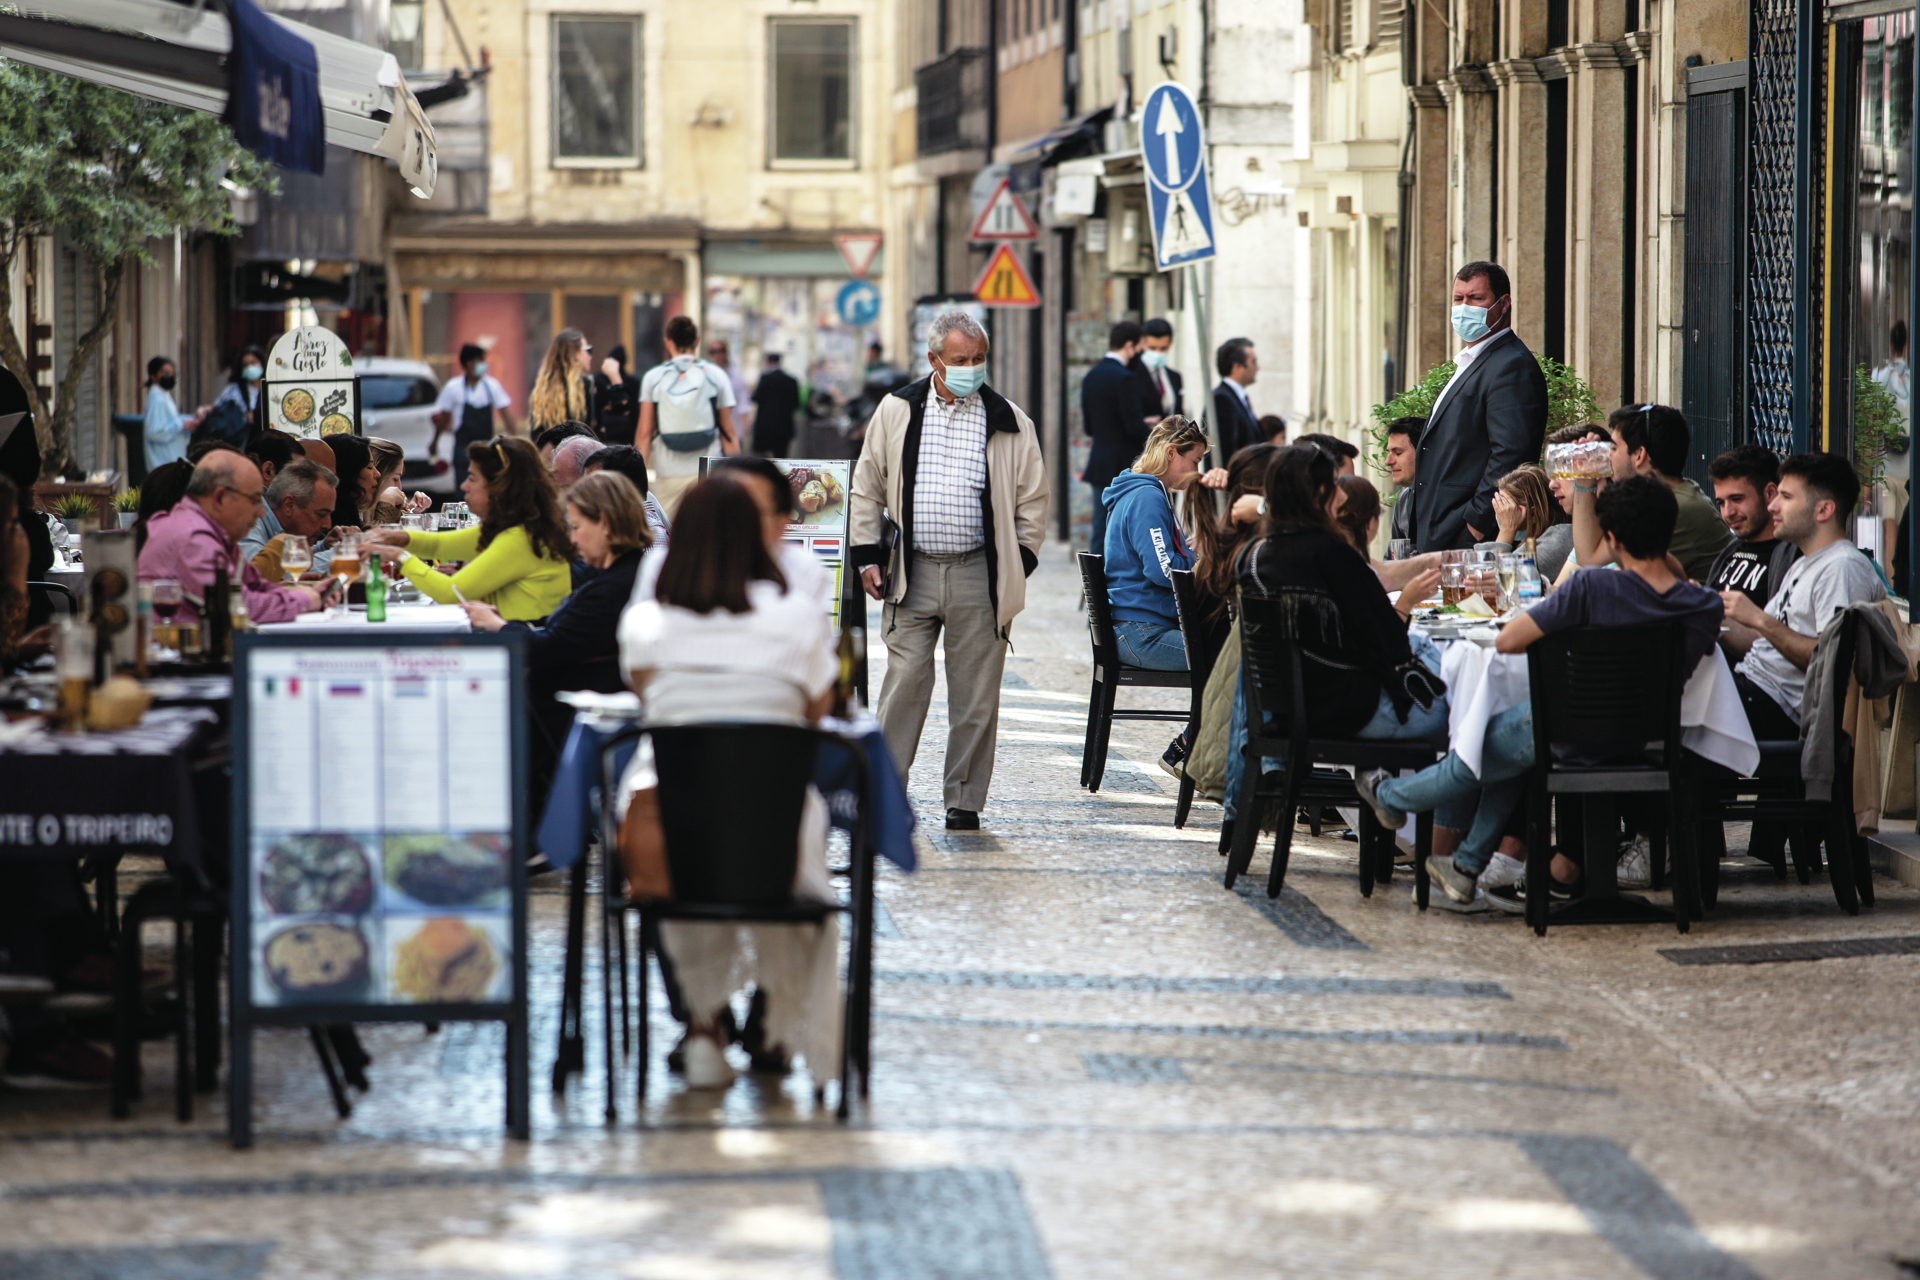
[{"x": 716, "y": 632}]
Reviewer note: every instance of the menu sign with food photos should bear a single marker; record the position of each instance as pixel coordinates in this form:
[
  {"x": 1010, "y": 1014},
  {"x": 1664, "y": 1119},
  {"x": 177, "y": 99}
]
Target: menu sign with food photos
[
  {"x": 819, "y": 523},
  {"x": 379, "y": 833},
  {"x": 309, "y": 384}
]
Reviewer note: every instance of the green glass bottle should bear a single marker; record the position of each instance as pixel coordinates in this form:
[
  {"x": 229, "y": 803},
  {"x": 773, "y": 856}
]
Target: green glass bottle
[{"x": 376, "y": 590}]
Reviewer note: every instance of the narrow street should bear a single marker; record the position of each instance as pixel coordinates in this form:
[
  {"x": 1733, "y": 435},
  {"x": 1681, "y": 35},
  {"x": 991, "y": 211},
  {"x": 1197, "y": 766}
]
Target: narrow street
[{"x": 1091, "y": 1061}]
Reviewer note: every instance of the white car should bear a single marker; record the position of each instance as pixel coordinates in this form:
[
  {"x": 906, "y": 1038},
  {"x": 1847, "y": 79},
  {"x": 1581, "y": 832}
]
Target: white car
[{"x": 396, "y": 403}]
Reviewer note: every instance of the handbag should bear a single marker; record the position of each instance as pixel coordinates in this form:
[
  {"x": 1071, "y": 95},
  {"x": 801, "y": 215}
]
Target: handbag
[{"x": 643, "y": 848}]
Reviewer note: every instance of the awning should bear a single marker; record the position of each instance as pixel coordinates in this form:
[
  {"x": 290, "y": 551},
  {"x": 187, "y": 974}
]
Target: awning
[
  {"x": 174, "y": 53},
  {"x": 1070, "y": 137}
]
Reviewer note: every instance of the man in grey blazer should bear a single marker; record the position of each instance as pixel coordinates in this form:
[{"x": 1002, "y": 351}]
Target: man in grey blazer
[{"x": 1490, "y": 417}]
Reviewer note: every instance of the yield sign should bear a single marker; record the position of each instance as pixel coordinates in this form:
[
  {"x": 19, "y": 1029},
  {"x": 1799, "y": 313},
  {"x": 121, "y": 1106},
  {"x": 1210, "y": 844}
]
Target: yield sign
[
  {"x": 858, "y": 251},
  {"x": 1005, "y": 283},
  {"x": 1004, "y": 218}
]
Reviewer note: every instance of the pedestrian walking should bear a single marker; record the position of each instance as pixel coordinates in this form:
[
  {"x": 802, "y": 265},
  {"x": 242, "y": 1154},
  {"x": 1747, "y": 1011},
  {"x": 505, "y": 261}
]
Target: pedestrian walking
[
  {"x": 1162, "y": 393},
  {"x": 1234, "y": 419},
  {"x": 466, "y": 407},
  {"x": 1490, "y": 417},
  {"x": 776, "y": 398},
  {"x": 949, "y": 510},
  {"x": 686, "y": 413}
]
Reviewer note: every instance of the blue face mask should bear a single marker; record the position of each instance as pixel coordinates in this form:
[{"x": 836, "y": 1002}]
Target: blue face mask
[
  {"x": 1470, "y": 323},
  {"x": 480, "y": 368},
  {"x": 964, "y": 379},
  {"x": 250, "y": 373},
  {"x": 1154, "y": 359}
]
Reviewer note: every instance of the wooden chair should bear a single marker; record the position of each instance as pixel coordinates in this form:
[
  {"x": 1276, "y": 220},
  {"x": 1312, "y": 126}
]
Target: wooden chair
[
  {"x": 1110, "y": 675},
  {"x": 1610, "y": 694},
  {"x": 1271, "y": 671}
]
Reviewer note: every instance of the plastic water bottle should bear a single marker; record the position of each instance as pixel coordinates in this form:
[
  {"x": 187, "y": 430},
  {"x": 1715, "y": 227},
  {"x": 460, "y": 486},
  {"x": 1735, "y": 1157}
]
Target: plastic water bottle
[{"x": 1527, "y": 588}]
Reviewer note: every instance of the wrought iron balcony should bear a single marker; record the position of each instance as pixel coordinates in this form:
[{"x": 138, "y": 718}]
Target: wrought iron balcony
[{"x": 952, "y": 96}]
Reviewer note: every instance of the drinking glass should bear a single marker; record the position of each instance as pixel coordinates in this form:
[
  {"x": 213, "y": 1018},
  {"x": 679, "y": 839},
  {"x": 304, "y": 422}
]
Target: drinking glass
[
  {"x": 73, "y": 660},
  {"x": 345, "y": 565},
  {"x": 1508, "y": 568},
  {"x": 167, "y": 599},
  {"x": 411, "y": 522},
  {"x": 1453, "y": 575},
  {"x": 296, "y": 556},
  {"x": 1400, "y": 549}
]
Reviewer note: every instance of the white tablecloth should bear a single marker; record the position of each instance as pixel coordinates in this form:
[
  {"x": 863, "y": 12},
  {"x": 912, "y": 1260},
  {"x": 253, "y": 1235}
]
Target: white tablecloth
[
  {"x": 400, "y": 617},
  {"x": 1481, "y": 683}
]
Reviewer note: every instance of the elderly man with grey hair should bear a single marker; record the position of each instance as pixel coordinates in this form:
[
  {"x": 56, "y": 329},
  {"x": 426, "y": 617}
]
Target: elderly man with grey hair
[
  {"x": 948, "y": 511},
  {"x": 300, "y": 500},
  {"x": 570, "y": 460},
  {"x": 200, "y": 535}
]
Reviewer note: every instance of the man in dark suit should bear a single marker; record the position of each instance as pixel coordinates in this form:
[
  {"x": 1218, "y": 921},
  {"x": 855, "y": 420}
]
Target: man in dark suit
[
  {"x": 1115, "y": 419},
  {"x": 776, "y": 398},
  {"x": 1490, "y": 417},
  {"x": 1161, "y": 391},
  {"x": 1233, "y": 412}
]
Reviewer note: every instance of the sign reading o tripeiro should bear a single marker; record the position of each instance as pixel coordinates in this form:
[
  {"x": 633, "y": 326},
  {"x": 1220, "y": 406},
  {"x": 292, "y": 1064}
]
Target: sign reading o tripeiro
[{"x": 310, "y": 388}]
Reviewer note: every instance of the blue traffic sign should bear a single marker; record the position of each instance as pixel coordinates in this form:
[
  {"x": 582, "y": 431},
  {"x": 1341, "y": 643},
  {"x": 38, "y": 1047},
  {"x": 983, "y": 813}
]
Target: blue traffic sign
[
  {"x": 1173, "y": 147},
  {"x": 858, "y": 304}
]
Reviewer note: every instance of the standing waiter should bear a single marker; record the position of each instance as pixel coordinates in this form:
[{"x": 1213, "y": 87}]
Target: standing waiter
[{"x": 466, "y": 407}]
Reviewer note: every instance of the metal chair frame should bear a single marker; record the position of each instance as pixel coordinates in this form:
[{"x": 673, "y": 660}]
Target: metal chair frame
[{"x": 1110, "y": 675}]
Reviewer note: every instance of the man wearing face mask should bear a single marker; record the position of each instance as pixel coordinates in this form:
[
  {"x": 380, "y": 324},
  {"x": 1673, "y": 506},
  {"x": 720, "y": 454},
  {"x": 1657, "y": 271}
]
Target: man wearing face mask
[
  {"x": 948, "y": 511},
  {"x": 1490, "y": 417},
  {"x": 1161, "y": 393},
  {"x": 466, "y": 407},
  {"x": 166, "y": 429}
]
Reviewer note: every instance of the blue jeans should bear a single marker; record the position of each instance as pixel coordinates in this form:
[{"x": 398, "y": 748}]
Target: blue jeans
[
  {"x": 1481, "y": 806},
  {"x": 1422, "y": 725},
  {"x": 1152, "y": 645}
]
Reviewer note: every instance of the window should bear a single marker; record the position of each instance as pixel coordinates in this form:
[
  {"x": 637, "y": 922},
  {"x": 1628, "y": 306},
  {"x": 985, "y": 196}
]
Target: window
[
  {"x": 812, "y": 92},
  {"x": 596, "y": 91},
  {"x": 395, "y": 391},
  {"x": 404, "y": 40}
]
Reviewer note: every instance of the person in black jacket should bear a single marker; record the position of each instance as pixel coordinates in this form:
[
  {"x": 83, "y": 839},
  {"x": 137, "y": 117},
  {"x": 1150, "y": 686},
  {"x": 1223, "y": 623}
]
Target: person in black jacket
[
  {"x": 20, "y": 463},
  {"x": 1115, "y": 419},
  {"x": 1162, "y": 394},
  {"x": 578, "y": 646},
  {"x": 1233, "y": 415},
  {"x": 616, "y": 399},
  {"x": 1490, "y": 417},
  {"x": 776, "y": 398}
]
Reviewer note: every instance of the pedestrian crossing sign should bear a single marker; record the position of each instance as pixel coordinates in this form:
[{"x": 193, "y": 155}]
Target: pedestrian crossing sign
[{"x": 1005, "y": 283}]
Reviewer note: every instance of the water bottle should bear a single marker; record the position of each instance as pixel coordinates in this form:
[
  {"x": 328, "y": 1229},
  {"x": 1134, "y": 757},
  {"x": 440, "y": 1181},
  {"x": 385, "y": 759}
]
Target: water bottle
[{"x": 1527, "y": 588}]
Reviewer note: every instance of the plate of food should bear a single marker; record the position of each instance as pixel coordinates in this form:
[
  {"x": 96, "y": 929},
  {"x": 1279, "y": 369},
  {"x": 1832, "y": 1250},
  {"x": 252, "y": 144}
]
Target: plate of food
[
  {"x": 449, "y": 870},
  {"x": 323, "y": 873},
  {"x": 817, "y": 494},
  {"x": 297, "y": 406},
  {"x": 318, "y": 961},
  {"x": 447, "y": 960}
]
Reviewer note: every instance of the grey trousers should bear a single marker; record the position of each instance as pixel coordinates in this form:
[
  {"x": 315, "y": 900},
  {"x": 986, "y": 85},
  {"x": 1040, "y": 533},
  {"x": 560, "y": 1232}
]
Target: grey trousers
[{"x": 950, "y": 593}]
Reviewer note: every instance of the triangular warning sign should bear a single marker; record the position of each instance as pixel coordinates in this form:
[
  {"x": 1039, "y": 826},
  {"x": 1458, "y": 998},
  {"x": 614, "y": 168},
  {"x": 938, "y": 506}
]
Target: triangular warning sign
[
  {"x": 1004, "y": 218},
  {"x": 1005, "y": 283},
  {"x": 858, "y": 251},
  {"x": 1181, "y": 230}
]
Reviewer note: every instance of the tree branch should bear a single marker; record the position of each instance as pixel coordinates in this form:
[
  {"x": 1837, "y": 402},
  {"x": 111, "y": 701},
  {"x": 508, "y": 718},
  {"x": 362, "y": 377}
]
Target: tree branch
[{"x": 65, "y": 403}]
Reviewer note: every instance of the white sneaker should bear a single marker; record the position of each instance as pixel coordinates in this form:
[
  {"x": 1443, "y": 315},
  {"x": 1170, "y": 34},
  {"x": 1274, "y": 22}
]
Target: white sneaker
[
  {"x": 1502, "y": 870},
  {"x": 1633, "y": 871},
  {"x": 707, "y": 1065},
  {"x": 1474, "y": 906}
]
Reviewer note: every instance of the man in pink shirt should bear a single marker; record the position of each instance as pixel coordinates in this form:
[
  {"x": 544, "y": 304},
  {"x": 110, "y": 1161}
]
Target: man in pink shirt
[{"x": 189, "y": 541}]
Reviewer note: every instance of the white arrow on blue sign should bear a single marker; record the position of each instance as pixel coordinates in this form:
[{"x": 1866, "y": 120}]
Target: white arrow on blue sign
[
  {"x": 1174, "y": 149},
  {"x": 858, "y": 303}
]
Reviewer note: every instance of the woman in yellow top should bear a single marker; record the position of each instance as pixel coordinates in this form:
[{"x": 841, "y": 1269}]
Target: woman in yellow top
[{"x": 517, "y": 558}]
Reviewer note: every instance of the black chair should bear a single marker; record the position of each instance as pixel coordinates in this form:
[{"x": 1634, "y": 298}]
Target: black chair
[
  {"x": 1110, "y": 675},
  {"x": 1610, "y": 694},
  {"x": 733, "y": 862},
  {"x": 1203, "y": 650},
  {"x": 132, "y": 428},
  {"x": 1775, "y": 793},
  {"x": 55, "y": 591},
  {"x": 1271, "y": 672}
]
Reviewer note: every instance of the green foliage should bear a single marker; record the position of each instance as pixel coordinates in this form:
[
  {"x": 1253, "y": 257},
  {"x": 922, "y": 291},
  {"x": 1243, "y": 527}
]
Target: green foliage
[
  {"x": 1569, "y": 401},
  {"x": 1876, "y": 428},
  {"x": 75, "y": 506},
  {"x": 127, "y": 500},
  {"x": 111, "y": 171}
]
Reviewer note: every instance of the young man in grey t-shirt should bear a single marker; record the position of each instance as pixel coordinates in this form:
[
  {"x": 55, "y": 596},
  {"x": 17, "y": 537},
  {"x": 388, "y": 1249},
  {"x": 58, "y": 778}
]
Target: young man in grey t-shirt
[{"x": 1815, "y": 499}]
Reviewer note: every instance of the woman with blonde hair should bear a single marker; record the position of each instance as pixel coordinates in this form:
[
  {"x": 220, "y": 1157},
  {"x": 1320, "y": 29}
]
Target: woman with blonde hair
[
  {"x": 386, "y": 502},
  {"x": 561, "y": 390},
  {"x": 1524, "y": 507},
  {"x": 517, "y": 559}
]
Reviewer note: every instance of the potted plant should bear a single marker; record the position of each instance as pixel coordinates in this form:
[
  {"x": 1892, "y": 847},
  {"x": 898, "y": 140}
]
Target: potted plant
[
  {"x": 78, "y": 513},
  {"x": 127, "y": 504}
]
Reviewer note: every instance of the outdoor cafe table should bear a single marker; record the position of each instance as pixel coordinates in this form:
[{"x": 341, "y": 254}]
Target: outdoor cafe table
[
  {"x": 400, "y": 617},
  {"x": 573, "y": 804}
]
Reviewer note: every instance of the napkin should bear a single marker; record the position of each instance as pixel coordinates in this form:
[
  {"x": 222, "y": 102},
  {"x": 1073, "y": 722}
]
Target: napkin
[{"x": 1477, "y": 607}]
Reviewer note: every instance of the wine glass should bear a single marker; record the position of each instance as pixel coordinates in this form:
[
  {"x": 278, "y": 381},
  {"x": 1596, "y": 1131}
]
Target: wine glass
[
  {"x": 167, "y": 599},
  {"x": 296, "y": 556},
  {"x": 1509, "y": 570}
]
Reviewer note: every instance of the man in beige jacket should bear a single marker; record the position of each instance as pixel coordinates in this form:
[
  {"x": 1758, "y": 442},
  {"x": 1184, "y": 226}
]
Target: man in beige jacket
[{"x": 949, "y": 511}]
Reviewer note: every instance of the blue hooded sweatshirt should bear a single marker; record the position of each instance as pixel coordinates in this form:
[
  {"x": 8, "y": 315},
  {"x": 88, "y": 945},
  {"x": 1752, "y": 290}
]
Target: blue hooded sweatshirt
[{"x": 1143, "y": 547}]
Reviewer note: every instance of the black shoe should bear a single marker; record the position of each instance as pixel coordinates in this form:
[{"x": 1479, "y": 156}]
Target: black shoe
[
  {"x": 962, "y": 820},
  {"x": 1557, "y": 892},
  {"x": 1175, "y": 756}
]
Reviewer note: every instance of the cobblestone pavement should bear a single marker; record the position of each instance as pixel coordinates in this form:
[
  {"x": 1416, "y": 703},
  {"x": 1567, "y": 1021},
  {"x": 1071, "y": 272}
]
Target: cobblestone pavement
[{"x": 1091, "y": 1061}]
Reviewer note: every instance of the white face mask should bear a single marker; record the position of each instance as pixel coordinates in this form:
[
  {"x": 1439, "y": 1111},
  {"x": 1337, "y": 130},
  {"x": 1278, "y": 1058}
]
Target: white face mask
[{"x": 1153, "y": 359}]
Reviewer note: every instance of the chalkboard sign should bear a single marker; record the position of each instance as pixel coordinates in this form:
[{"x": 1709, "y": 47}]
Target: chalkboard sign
[{"x": 379, "y": 839}]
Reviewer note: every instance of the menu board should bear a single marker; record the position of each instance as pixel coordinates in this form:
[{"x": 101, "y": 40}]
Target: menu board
[
  {"x": 819, "y": 522},
  {"x": 309, "y": 384},
  {"x": 379, "y": 841}
]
